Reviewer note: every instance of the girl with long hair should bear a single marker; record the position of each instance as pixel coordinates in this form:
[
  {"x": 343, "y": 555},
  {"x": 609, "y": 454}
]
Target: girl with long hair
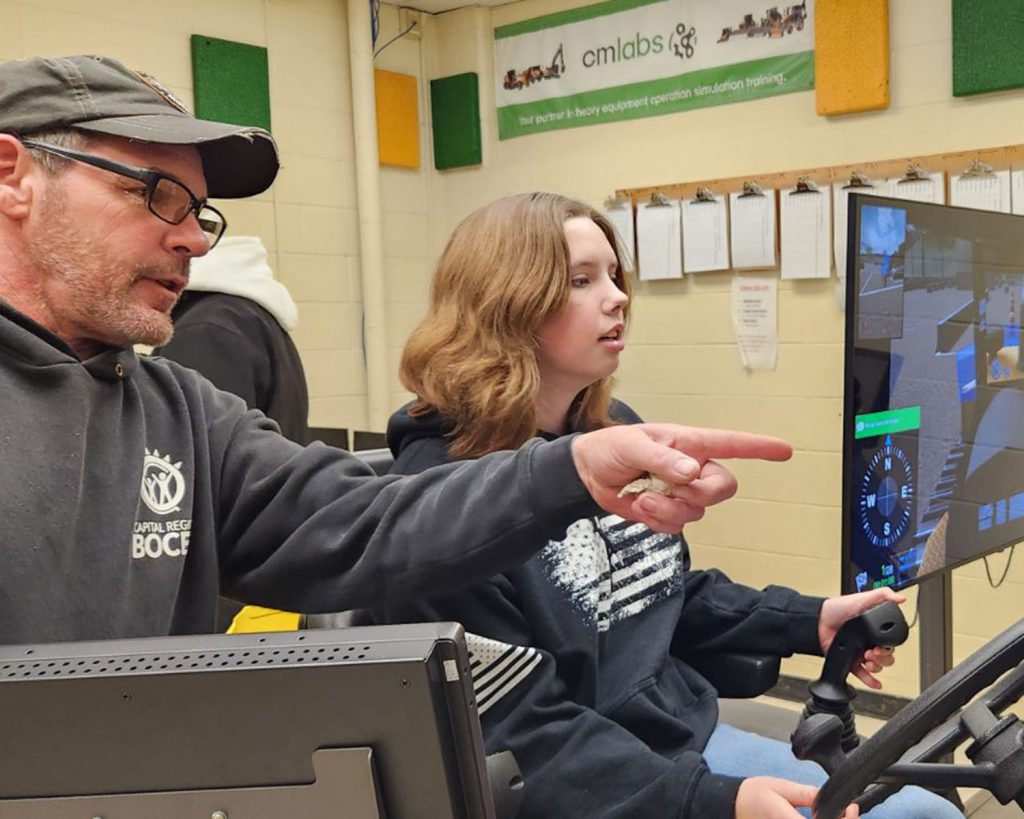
[{"x": 577, "y": 656}]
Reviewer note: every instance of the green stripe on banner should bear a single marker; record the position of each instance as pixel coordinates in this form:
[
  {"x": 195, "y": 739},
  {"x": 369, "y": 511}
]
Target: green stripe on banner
[
  {"x": 698, "y": 89},
  {"x": 564, "y": 18}
]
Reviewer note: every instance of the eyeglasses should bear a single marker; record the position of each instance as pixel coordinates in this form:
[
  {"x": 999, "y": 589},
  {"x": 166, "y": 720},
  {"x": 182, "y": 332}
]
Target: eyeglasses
[{"x": 166, "y": 197}]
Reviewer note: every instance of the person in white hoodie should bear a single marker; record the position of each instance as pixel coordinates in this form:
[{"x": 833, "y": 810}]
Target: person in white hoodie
[{"x": 232, "y": 324}]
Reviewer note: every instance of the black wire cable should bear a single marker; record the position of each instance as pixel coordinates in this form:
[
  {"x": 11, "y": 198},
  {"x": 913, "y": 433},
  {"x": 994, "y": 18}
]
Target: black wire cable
[
  {"x": 396, "y": 37},
  {"x": 917, "y": 610},
  {"x": 374, "y": 21},
  {"x": 1006, "y": 569}
]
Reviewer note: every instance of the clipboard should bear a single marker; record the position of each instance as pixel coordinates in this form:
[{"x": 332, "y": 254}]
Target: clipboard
[
  {"x": 750, "y": 188},
  {"x": 858, "y": 181},
  {"x": 919, "y": 185},
  {"x": 804, "y": 185},
  {"x": 705, "y": 220},
  {"x": 976, "y": 169},
  {"x": 806, "y": 222},
  {"x": 619, "y": 213},
  {"x": 702, "y": 195},
  {"x": 659, "y": 238},
  {"x": 979, "y": 186},
  {"x": 753, "y": 234}
]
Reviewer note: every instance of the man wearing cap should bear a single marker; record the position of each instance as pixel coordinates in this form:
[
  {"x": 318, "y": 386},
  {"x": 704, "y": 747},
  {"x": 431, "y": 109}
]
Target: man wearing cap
[{"x": 132, "y": 490}]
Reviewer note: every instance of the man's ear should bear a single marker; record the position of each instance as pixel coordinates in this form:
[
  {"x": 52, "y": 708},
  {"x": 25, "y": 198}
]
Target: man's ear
[{"x": 17, "y": 184}]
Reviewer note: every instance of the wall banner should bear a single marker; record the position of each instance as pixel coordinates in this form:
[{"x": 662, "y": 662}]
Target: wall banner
[{"x": 624, "y": 59}]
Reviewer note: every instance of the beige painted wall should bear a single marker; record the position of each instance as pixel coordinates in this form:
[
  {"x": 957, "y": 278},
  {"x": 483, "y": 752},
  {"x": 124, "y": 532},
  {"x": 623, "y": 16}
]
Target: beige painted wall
[{"x": 681, "y": 364}]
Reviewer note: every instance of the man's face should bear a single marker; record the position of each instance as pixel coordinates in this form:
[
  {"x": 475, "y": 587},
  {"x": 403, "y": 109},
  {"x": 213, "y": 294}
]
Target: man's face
[{"x": 109, "y": 271}]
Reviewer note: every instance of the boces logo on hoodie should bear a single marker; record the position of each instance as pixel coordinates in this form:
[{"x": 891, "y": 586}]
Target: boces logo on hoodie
[{"x": 162, "y": 491}]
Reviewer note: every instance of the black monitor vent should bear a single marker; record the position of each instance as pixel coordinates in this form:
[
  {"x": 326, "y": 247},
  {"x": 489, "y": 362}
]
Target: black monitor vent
[{"x": 249, "y": 657}]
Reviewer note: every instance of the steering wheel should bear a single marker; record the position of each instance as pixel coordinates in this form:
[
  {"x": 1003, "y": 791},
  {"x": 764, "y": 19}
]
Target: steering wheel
[{"x": 911, "y": 736}]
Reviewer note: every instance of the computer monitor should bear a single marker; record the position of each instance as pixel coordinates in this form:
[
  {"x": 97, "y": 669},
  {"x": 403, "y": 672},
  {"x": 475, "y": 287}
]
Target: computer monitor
[
  {"x": 361, "y": 723},
  {"x": 933, "y": 424}
]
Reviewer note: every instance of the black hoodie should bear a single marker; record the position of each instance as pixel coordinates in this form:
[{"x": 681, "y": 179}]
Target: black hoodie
[{"x": 575, "y": 657}]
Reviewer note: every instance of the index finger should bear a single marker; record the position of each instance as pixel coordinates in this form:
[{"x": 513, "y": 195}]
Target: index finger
[{"x": 703, "y": 444}]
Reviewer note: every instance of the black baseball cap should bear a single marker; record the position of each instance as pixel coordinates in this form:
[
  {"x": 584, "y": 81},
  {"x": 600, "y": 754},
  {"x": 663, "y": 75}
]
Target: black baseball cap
[{"x": 100, "y": 95}]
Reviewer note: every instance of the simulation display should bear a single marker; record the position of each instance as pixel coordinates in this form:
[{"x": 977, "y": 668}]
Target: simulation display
[{"x": 933, "y": 428}]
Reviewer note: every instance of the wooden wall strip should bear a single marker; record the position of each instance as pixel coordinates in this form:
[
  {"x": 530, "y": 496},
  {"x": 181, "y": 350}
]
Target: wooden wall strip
[{"x": 999, "y": 158}]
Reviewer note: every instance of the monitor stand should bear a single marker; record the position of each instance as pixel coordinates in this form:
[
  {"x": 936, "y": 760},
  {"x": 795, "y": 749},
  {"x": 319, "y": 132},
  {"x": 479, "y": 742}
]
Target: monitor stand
[
  {"x": 935, "y": 615},
  {"x": 344, "y": 782},
  {"x": 935, "y": 618}
]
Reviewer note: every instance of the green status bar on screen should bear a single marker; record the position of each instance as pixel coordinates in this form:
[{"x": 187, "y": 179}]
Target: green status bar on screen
[{"x": 886, "y": 423}]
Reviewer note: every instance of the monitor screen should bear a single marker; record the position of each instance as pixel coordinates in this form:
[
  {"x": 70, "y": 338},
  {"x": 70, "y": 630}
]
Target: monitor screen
[
  {"x": 365, "y": 723},
  {"x": 933, "y": 424}
]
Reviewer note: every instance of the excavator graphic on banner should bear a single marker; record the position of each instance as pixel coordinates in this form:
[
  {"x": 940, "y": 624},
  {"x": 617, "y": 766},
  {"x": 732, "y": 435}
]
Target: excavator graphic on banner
[
  {"x": 775, "y": 23},
  {"x": 515, "y": 80}
]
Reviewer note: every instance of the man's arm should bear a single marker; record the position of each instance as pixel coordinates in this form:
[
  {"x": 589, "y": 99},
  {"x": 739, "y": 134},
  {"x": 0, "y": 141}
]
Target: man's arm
[{"x": 311, "y": 530}]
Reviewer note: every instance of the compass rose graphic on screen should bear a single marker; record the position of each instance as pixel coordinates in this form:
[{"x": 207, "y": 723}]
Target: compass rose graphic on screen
[{"x": 886, "y": 495}]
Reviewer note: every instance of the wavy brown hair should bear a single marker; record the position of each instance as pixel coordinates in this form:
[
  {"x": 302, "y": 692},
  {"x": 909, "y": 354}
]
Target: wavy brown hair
[{"x": 473, "y": 359}]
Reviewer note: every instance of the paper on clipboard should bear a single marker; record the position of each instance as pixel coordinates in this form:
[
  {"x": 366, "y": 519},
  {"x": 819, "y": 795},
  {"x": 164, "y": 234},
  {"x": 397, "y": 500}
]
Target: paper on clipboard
[
  {"x": 659, "y": 241},
  {"x": 858, "y": 183},
  {"x": 806, "y": 216},
  {"x": 1017, "y": 191},
  {"x": 621, "y": 218},
  {"x": 752, "y": 234},
  {"x": 987, "y": 190},
  {"x": 705, "y": 235},
  {"x": 926, "y": 187}
]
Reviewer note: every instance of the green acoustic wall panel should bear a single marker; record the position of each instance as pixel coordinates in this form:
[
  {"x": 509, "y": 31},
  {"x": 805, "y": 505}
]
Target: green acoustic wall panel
[
  {"x": 987, "y": 51},
  {"x": 455, "y": 111},
  {"x": 232, "y": 81}
]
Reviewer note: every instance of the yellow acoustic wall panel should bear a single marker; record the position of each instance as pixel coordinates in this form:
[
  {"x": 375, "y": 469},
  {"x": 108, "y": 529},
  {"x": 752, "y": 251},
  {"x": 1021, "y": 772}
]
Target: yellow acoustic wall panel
[
  {"x": 398, "y": 131},
  {"x": 851, "y": 55}
]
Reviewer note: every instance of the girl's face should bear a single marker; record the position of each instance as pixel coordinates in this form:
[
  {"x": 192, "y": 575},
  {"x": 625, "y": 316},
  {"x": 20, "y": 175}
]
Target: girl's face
[{"x": 582, "y": 343}]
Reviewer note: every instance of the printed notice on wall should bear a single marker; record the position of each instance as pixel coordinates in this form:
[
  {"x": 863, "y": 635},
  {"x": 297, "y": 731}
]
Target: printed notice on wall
[{"x": 755, "y": 320}]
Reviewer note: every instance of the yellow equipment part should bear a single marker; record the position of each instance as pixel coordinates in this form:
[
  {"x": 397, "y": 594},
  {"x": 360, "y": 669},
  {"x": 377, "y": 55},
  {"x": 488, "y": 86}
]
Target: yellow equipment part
[{"x": 254, "y": 619}]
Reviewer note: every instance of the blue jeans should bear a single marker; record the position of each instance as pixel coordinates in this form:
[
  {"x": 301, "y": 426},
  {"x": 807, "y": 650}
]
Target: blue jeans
[{"x": 734, "y": 752}]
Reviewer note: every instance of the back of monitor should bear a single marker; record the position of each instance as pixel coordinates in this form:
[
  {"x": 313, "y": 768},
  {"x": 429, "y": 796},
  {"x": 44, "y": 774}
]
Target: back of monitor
[{"x": 368, "y": 723}]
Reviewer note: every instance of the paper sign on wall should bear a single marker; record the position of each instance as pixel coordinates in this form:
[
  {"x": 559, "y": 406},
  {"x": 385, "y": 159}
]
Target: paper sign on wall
[{"x": 755, "y": 320}]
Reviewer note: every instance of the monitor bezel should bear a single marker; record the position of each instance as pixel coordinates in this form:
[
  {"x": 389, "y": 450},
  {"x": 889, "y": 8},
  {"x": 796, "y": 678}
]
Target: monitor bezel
[{"x": 855, "y": 204}]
